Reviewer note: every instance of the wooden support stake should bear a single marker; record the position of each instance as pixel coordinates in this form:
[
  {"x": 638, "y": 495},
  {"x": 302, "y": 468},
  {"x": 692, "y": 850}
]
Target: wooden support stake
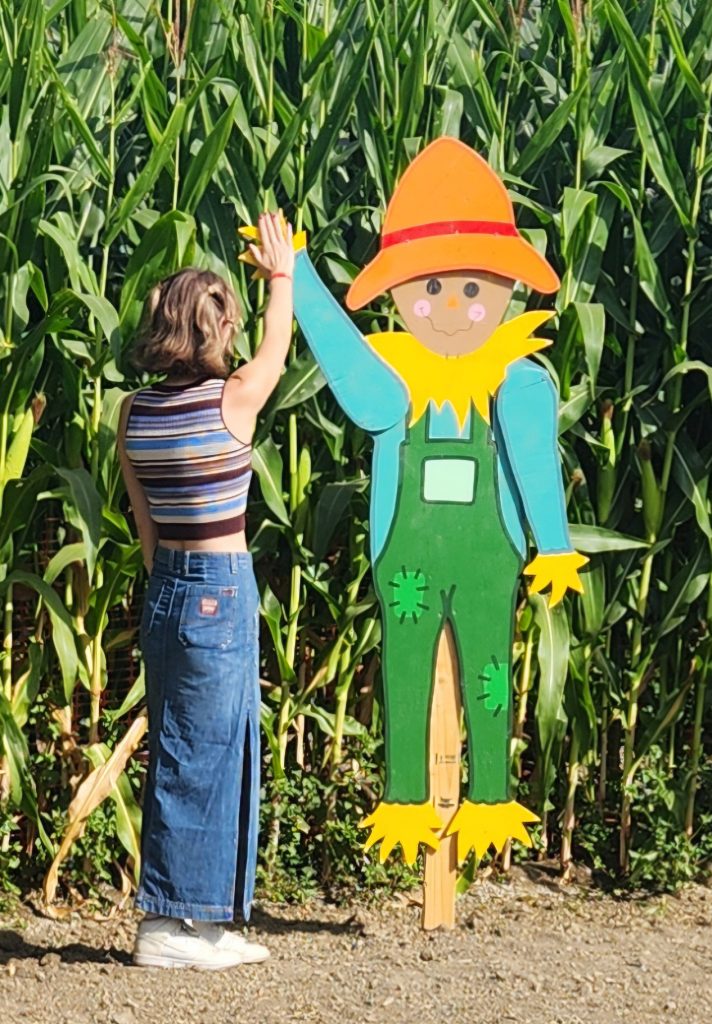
[{"x": 441, "y": 865}]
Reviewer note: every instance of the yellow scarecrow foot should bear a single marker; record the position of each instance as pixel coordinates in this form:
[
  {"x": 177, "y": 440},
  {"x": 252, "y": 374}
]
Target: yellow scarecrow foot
[
  {"x": 407, "y": 824},
  {"x": 479, "y": 826},
  {"x": 252, "y": 234}
]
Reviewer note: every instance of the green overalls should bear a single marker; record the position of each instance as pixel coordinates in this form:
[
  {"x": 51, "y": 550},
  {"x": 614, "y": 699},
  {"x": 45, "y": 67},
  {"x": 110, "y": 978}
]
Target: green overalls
[{"x": 447, "y": 557}]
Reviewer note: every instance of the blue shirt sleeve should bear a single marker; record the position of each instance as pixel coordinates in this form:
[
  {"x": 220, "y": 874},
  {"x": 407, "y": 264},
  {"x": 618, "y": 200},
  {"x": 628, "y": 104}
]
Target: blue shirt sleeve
[
  {"x": 366, "y": 388},
  {"x": 526, "y": 414}
]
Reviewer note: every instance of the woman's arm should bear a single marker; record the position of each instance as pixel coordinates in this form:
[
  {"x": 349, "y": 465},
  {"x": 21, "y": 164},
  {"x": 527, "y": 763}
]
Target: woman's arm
[
  {"x": 247, "y": 390},
  {"x": 147, "y": 532}
]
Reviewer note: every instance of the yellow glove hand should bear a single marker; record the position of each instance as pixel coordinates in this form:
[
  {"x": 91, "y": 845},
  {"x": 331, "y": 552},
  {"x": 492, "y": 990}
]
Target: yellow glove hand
[
  {"x": 559, "y": 570},
  {"x": 250, "y": 232}
]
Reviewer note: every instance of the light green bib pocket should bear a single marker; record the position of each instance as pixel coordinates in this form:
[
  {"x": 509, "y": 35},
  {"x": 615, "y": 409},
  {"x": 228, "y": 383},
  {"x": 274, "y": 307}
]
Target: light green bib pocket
[{"x": 449, "y": 480}]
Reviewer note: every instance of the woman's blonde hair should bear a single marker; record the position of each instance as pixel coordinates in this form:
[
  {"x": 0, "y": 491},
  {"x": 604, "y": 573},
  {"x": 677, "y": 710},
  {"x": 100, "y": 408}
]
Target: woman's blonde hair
[{"x": 183, "y": 331}]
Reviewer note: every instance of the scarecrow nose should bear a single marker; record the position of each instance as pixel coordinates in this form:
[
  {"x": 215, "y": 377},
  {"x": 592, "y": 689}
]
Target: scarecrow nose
[{"x": 453, "y": 302}]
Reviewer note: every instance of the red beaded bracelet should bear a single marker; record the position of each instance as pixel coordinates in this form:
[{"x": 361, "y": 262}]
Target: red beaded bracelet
[{"x": 288, "y": 276}]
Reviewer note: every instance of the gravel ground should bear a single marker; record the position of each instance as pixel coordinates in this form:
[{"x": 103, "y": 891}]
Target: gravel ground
[{"x": 528, "y": 951}]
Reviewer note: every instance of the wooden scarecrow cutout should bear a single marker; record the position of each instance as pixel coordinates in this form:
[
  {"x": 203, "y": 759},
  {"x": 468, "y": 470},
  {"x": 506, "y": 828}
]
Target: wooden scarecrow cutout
[{"x": 465, "y": 458}]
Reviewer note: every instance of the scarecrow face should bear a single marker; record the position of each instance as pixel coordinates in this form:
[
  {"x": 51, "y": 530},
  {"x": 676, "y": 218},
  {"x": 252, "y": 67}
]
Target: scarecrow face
[{"x": 455, "y": 312}]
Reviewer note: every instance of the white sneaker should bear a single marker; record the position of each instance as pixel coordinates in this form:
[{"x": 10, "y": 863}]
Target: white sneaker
[
  {"x": 170, "y": 942},
  {"x": 221, "y": 938}
]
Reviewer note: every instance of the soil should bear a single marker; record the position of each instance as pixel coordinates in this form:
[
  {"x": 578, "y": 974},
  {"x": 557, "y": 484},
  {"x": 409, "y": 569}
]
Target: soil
[{"x": 528, "y": 950}]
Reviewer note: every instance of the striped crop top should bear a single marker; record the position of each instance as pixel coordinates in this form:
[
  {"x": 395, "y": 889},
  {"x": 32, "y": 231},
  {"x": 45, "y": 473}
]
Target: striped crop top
[{"x": 195, "y": 473}]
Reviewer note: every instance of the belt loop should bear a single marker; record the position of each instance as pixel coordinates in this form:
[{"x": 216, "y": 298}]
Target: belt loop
[
  {"x": 234, "y": 562},
  {"x": 186, "y": 561}
]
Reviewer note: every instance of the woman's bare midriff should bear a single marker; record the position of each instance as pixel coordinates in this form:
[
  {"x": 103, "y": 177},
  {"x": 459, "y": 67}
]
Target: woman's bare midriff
[{"x": 232, "y": 542}]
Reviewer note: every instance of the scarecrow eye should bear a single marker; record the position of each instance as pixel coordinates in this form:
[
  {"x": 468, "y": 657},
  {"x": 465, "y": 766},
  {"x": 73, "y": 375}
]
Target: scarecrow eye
[
  {"x": 471, "y": 289},
  {"x": 433, "y": 287}
]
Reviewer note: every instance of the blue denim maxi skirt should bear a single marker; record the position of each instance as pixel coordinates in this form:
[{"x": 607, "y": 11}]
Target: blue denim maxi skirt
[{"x": 199, "y": 637}]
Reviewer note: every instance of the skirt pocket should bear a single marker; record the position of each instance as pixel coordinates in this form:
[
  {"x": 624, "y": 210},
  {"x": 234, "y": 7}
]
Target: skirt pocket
[{"x": 208, "y": 617}]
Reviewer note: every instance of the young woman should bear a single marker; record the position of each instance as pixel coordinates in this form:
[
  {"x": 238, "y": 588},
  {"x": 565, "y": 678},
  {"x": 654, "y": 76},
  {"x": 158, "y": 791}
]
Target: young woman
[{"x": 185, "y": 448}]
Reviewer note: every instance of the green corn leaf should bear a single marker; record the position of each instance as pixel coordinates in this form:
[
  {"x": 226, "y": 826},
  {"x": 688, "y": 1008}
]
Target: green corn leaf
[
  {"x": 267, "y": 463},
  {"x": 87, "y": 505},
  {"x": 27, "y": 686},
  {"x": 160, "y": 252},
  {"x": 599, "y": 158},
  {"x": 687, "y": 366},
  {"x": 145, "y": 181},
  {"x": 549, "y": 713},
  {"x": 20, "y": 503},
  {"x": 84, "y": 68},
  {"x": 325, "y": 720},
  {"x": 450, "y": 109},
  {"x": 593, "y": 540},
  {"x": 21, "y": 370},
  {"x": 688, "y": 584},
  {"x": 268, "y": 723},
  {"x": 62, "y": 627},
  {"x": 646, "y": 266},
  {"x": 333, "y": 501},
  {"x": 668, "y": 713},
  {"x": 660, "y": 152},
  {"x": 203, "y": 163},
  {"x": 549, "y": 131},
  {"x": 575, "y": 203},
  {"x": 692, "y": 474},
  {"x": 335, "y": 37},
  {"x": 107, "y": 317},
  {"x": 16, "y": 761},
  {"x": 578, "y": 403},
  {"x": 652, "y": 130},
  {"x": 63, "y": 233},
  {"x": 320, "y": 152},
  {"x": 682, "y": 60},
  {"x": 26, "y": 64},
  {"x": 273, "y": 616},
  {"x": 287, "y": 142},
  {"x": 75, "y": 552},
  {"x": 135, "y": 695},
  {"x": 81, "y": 126},
  {"x": 412, "y": 86},
  {"x": 592, "y": 319},
  {"x": 301, "y": 380}
]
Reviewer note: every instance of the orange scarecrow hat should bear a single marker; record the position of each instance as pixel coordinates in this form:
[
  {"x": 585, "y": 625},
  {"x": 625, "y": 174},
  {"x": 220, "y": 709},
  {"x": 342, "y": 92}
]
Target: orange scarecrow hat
[{"x": 450, "y": 211}]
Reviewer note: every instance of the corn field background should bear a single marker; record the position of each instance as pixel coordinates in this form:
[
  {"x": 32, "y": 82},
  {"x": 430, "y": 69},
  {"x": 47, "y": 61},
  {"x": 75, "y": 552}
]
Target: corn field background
[{"x": 135, "y": 137}]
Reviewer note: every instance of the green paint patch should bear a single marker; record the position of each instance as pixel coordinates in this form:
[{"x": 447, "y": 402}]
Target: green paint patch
[
  {"x": 494, "y": 680},
  {"x": 409, "y": 589}
]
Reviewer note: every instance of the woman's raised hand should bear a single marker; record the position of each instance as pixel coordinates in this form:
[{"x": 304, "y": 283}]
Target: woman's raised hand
[
  {"x": 275, "y": 252},
  {"x": 272, "y": 252}
]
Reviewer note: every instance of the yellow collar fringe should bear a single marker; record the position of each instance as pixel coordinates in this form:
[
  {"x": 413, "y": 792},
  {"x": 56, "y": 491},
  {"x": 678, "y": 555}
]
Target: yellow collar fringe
[{"x": 459, "y": 380}]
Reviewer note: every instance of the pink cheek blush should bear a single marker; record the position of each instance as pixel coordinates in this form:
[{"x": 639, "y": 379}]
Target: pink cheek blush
[
  {"x": 422, "y": 308},
  {"x": 476, "y": 312}
]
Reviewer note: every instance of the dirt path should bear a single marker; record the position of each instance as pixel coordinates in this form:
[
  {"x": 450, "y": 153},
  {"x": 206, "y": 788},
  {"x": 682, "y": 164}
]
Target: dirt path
[{"x": 526, "y": 951}]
